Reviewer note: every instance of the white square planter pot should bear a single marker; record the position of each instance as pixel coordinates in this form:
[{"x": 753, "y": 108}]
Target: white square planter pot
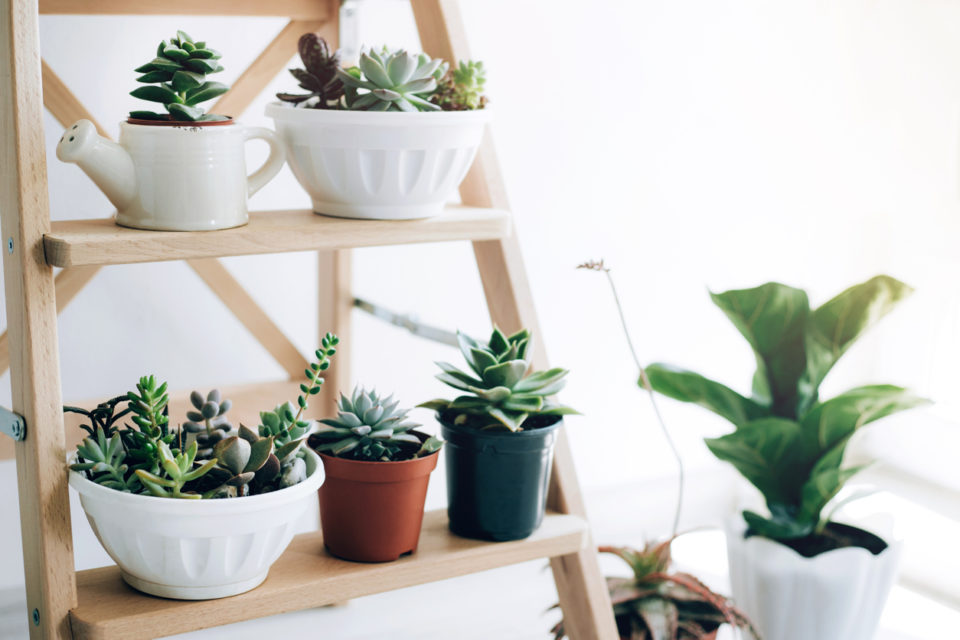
[
  {"x": 379, "y": 165},
  {"x": 196, "y": 549},
  {"x": 837, "y": 595}
]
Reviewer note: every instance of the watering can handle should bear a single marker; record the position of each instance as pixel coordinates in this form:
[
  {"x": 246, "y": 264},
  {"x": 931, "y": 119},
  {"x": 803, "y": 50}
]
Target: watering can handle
[{"x": 273, "y": 164}]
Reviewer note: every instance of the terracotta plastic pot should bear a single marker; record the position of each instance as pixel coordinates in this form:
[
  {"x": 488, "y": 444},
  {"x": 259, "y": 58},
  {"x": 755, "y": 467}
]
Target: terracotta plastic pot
[
  {"x": 372, "y": 511},
  {"x": 497, "y": 481}
]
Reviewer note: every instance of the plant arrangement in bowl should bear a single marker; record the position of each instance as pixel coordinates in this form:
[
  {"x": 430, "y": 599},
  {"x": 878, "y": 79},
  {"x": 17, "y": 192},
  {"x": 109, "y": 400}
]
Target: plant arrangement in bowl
[
  {"x": 499, "y": 437},
  {"x": 789, "y": 443},
  {"x": 377, "y": 469},
  {"x": 201, "y": 511},
  {"x": 390, "y": 138},
  {"x": 183, "y": 169}
]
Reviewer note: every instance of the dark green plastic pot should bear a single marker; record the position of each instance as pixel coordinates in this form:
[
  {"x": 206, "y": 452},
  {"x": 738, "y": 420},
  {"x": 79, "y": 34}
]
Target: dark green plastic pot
[{"x": 497, "y": 481}]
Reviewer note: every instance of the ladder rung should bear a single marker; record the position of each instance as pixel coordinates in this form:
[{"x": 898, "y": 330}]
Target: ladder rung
[{"x": 293, "y": 9}]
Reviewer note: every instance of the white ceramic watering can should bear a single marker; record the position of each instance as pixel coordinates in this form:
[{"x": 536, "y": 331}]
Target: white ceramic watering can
[{"x": 173, "y": 176}]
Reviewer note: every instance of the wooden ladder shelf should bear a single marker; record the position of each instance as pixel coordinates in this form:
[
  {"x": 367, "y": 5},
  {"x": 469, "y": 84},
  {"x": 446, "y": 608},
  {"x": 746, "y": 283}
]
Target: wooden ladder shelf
[{"x": 64, "y": 603}]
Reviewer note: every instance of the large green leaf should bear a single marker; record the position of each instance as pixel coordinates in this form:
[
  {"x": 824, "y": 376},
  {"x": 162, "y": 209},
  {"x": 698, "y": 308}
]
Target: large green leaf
[
  {"x": 830, "y": 424},
  {"x": 837, "y": 324},
  {"x": 782, "y": 524},
  {"x": 771, "y": 454},
  {"x": 772, "y": 318},
  {"x": 820, "y": 489},
  {"x": 688, "y": 386}
]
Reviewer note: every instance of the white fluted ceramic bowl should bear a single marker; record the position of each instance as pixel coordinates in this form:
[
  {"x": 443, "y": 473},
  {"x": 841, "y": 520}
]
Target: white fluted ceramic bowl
[
  {"x": 379, "y": 165},
  {"x": 837, "y": 595},
  {"x": 196, "y": 549}
]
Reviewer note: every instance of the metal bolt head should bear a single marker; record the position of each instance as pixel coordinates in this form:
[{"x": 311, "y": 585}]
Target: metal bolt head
[
  {"x": 18, "y": 430},
  {"x": 36, "y": 617},
  {"x": 10, "y": 245}
]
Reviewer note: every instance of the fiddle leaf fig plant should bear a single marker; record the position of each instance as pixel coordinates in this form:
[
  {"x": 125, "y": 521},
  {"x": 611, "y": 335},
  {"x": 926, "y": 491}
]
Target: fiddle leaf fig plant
[
  {"x": 177, "y": 79},
  {"x": 500, "y": 394},
  {"x": 788, "y": 441}
]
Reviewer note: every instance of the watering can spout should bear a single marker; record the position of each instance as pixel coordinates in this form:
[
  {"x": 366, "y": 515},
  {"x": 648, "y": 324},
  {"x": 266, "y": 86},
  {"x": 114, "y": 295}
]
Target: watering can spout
[{"x": 106, "y": 162}]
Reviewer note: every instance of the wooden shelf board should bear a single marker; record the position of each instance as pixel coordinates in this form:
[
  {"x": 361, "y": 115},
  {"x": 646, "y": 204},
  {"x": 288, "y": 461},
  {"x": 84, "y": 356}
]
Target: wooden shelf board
[
  {"x": 248, "y": 401},
  {"x": 298, "y": 9},
  {"x": 101, "y": 242},
  {"x": 306, "y": 576}
]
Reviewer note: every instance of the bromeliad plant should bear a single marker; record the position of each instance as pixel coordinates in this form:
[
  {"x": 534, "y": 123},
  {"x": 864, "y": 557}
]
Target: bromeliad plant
[
  {"x": 657, "y": 604},
  {"x": 384, "y": 80},
  {"x": 788, "y": 441},
  {"x": 371, "y": 428},
  {"x": 499, "y": 392},
  {"x": 177, "y": 79}
]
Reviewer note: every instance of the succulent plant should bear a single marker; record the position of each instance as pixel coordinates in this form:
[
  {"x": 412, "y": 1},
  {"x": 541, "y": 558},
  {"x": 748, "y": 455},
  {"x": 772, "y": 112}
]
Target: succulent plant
[
  {"x": 177, "y": 469},
  {"x": 176, "y": 78},
  {"x": 208, "y": 420},
  {"x": 103, "y": 417},
  {"x": 501, "y": 394},
  {"x": 656, "y": 604},
  {"x": 461, "y": 89},
  {"x": 392, "y": 81},
  {"x": 102, "y": 458},
  {"x": 368, "y": 427},
  {"x": 285, "y": 424},
  {"x": 318, "y": 77}
]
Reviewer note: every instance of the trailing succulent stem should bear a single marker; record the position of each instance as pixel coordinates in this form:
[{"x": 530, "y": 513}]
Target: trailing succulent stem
[
  {"x": 285, "y": 423},
  {"x": 368, "y": 427},
  {"x": 176, "y": 78},
  {"x": 788, "y": 441},
  {"x": 104, "y": 416},
  {"x": 318, "y": 76},
  {"x": 499, "y": 392}
]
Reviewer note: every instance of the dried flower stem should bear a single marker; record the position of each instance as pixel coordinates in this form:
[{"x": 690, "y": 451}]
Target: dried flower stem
[{"x": 645, "y": 382}]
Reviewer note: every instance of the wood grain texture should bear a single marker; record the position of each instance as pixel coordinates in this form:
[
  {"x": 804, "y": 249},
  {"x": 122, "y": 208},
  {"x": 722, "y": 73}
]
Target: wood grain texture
[
  {"x": 335, "y": 304},
  {"x": 297, "y": 9},
  {"x": 580, "y": 585},
  {"x": 306, "y": 576},
  {"x": 251, "y": 315},
  {"x": 62, "y": 103},
  {"x": 100, "y": 241},
  {"x": 32, "y": 326}
]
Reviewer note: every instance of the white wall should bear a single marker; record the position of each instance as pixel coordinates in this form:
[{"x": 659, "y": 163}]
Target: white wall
[{"x": 692, "y": 144}]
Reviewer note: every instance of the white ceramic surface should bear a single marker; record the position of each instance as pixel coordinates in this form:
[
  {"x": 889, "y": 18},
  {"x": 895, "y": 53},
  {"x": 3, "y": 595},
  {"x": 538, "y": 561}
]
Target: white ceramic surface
[
  {"x": 173, "y": 178},
  {"x": 386, "y": 166},
  {"x": 838, "y": 595},
  {"x": 196, "y": 549}
]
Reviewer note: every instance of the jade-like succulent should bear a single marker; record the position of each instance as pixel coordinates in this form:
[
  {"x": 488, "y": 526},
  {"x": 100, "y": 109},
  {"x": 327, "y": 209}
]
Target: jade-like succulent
[
  {"x": 392, "y": 81},
  {"x": 177, "y": 470},
  {"x": 318, "y": 76},
  {"x": 176, "y": 78},
  {"x": 208, "y": 421},
  {"x": 368, "y": 427},
  {"x": 500, "y": 394},
  {"x": 461, "y": 89}
]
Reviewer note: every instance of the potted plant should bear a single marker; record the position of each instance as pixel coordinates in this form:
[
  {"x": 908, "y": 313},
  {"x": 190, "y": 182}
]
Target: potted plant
[
  {"x": 201, "y": 511},
  {"x": 183, "y": 170},
  {"x": 390, "y": 138},
  {"x": 789, "y": 443},
  {"x": 499, "y": 437},
  {"x": 656, "y": 603},
  {"x": 377, "y": 470}
]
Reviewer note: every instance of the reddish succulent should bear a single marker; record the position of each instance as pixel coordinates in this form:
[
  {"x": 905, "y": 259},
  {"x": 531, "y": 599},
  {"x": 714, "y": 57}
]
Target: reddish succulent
[
  {"x": 656, "y": 604},
  {"x": 319, "y": 75}
]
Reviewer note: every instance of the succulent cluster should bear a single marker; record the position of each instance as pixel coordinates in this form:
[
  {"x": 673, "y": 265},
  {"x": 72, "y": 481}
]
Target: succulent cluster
[
  {"x": 384, "y": 80},
  {"x": 657, "y": 604},
  {"x": 204, "y": 458},
  {"x": 499, "y": 392},
  {"x": 318, "y": 76},
  {"x": 177, "y": 79},
  {"x": 208, "y": 420},
  {"x": 461, "y": 89},
  {"x": 371, "y": 428}
]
